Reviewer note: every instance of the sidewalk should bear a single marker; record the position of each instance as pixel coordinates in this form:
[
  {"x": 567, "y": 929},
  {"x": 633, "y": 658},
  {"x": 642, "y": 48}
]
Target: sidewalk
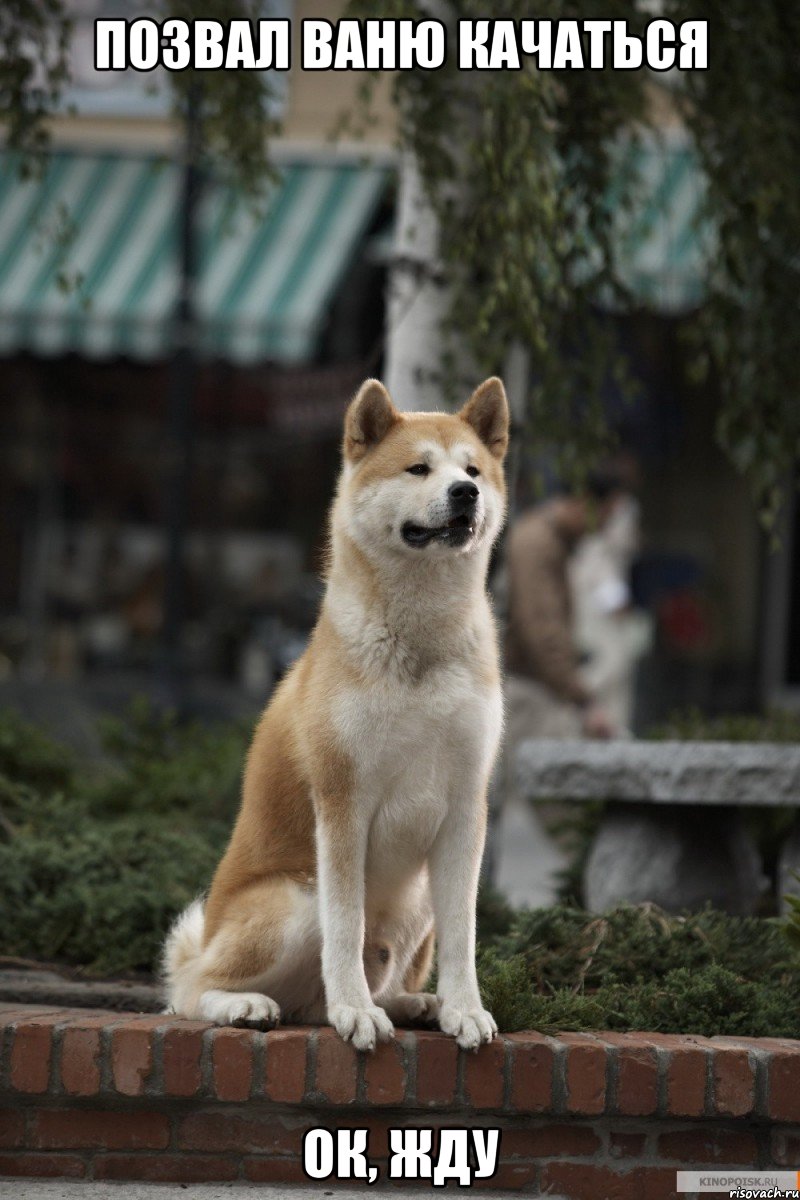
[
  {"x": 26, "y": 1189},
  {"x": 527, "y": 858}
]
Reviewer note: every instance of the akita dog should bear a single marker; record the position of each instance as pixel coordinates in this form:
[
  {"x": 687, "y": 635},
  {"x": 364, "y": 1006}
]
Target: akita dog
[{"x": 363, "y": 814}]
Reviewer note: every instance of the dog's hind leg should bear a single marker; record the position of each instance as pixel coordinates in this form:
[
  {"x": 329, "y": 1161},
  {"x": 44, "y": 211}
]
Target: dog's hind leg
[
  {"x": 250, "y": 1009},
  {"x": 262, "y": 958},
  {"x": 410, "y": 1003},
  {"x": 419, "y": 968}
]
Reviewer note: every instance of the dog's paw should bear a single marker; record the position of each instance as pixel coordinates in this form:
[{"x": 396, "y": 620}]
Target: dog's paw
[
  {"x": 361, "y": 1026},
  {"x": 413, "y": 1006},
  {"x": 469, "y": 1026},
  {"x": 250, "y": 1009}
]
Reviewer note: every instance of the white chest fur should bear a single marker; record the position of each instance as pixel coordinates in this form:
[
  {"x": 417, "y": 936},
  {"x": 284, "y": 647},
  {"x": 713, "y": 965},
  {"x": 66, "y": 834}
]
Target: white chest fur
[
  {"x": 417, "y": 750},
  {"x": 422, "y": 723}
]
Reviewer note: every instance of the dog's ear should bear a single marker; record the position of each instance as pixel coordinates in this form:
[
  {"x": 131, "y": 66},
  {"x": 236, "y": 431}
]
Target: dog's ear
[
  {"x": 487, "y": 412},
  {"x": 369, "y": 418}
]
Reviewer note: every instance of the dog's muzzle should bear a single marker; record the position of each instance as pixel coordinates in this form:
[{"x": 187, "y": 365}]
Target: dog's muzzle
[{"x": 462, "y": 498}]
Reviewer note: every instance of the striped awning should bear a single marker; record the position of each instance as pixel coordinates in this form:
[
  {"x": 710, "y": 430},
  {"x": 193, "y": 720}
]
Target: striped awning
[{"x": 89, "y": 257}]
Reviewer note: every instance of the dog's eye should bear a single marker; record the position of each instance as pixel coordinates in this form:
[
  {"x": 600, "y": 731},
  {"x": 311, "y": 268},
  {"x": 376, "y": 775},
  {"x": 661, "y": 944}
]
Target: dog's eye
[
  {"x": 472, "y": 471},
  {"x": 419, "y": 469}
]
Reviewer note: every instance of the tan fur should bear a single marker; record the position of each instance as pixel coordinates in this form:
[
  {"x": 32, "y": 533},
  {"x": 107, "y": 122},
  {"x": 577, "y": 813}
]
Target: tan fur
[
  {"x": 301, "y": 784},
  {"x": 417, "y": 974}
]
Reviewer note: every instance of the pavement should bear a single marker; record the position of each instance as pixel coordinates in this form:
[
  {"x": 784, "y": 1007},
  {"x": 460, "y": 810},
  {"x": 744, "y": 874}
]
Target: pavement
[
  {"x": 526, "y": 857},
  {"x": 23, "y": 982},
  {"x": 55, "y": 1189}
]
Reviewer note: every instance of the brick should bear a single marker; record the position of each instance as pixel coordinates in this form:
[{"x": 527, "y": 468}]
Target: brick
[
  {"x": 12, "y": 1128},
  {"x": 658, "y": 1183},
  {"x": 285, "y": 1078},
  {"x": 31, "y": 1054},
  {"x": 91, "y": 1019},
  {"x": 751, "y": 1043},
  {"x": 83, "y": 1018},
  {"x": 637, "y": 1074},
  {"x": 585, "y": 1075},
  {"x": 232, "y": 1063},
  {"x": 42, "y": 1166},
  {"x": 511, "y": 1177},
  {"x": 182, "y": 1050},
  {"x": 437, "y": 1062},
  {"x": 673, "y": 1041},
  {"x": 784, "y": 1085},
  {"x": 166, "y": 1168},
  {"x": 337, "y": 1069},
  {"x": 484, "y": 1075},
  {"x": 689, "y": 1057},
  {"x": 532, "y": 1059},
  {"x": 132, "y": 1058},
  {"x": 80, "y": 1061},
  {"x": 734, "y": 1083},
  {"x": 378, "y": 1130},
  {"x": 16, "y": 1009},
  {"x": 385, "y": 1073},
  {"x": 626, "y": 1145},
  {"x": 785, "y": 1148},
  {"x": 550, "y": 1141},
  {"x": 582, "y": 1181},
  {"x": 274, "y": 1170},
  {"x": 687, "y": 1071},
  {"x": 220, "y": 1132},
  {"x": 73, "y": 1129},
  {"x": 709, "y": 1147},
  {"x": 10, "y": 1012}
]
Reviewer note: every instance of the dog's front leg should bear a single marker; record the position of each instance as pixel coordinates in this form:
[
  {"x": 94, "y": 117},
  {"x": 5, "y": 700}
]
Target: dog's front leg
[
  {"x": 341, "y": 856},
  {"x": 454, "y": 866}
]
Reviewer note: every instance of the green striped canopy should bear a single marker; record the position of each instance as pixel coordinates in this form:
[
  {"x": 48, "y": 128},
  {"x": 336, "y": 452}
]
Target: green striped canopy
[
  {"x": 663, "y": 244},
  {"x": 88, "y": 257},
  {"x": 88, "y": 251}
]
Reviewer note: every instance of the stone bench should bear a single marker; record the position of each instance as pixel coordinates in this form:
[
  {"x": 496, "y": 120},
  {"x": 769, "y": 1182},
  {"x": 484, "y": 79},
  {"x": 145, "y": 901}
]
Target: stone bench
[{"x": 672, "y": 831}]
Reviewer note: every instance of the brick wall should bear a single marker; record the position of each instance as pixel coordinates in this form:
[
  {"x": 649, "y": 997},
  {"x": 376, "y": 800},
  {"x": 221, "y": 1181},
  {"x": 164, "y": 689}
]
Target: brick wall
[{"x": 102, "y": 1095}]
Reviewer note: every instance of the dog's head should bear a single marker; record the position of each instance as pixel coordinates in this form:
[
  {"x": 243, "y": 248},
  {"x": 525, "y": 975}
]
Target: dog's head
[{"x": 427, "y": 484}]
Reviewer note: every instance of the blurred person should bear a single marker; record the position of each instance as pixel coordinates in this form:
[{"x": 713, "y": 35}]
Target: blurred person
[
  {"x": 611, "y": 634},
  {"x": 547, "y": 695}
]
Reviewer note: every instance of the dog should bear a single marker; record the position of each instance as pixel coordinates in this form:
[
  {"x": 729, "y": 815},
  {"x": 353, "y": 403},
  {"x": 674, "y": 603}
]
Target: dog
[{"x": 363, "y": 812}]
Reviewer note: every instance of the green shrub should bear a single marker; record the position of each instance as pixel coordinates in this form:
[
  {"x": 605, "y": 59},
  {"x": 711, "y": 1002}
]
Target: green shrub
[
  {"x": 792, "y": 922},
  {"x": 692, "y": 725},
  {"x": 495, "y": 915},
  {"x": 95, "y": 863},
  {"x": 637, "y": 968},
  {"x": 567, "y": 947},
  {"x": 100, "y": 894},
  {"x": 160, "y": 765},
  {"x": 710, "y": 1002},
  {"x": 30, "y": 756}
]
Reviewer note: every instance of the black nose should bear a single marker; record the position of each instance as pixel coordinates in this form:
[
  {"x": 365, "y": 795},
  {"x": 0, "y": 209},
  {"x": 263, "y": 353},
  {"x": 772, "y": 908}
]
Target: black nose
[{"x": 462, "y": 495}]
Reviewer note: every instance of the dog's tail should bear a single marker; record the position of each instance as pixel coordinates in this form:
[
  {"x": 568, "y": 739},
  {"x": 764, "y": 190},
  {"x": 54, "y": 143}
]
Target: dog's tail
[{"x": 180, "y": 959}]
